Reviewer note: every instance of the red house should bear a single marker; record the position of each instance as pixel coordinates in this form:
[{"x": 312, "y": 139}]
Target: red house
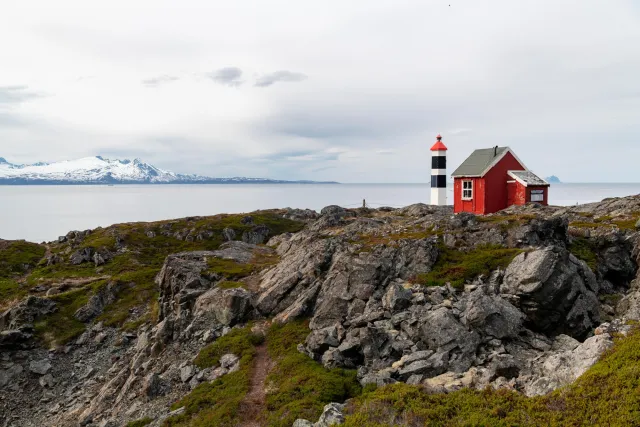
[{"x": 493, "y": 179}]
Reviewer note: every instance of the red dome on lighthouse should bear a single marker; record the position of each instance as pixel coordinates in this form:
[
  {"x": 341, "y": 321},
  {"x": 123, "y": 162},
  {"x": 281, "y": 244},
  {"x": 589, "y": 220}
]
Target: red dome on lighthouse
[{"x": 439, "y": 146}]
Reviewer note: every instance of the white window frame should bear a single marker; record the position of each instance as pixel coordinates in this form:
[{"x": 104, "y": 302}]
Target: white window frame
[
  {"x": 537, "y": 195},
  {"x": 467, "y": 191}
]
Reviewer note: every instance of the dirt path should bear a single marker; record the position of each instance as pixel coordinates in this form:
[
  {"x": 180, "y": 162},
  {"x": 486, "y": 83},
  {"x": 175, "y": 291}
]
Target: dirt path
[{"x": 253, "y": 405}]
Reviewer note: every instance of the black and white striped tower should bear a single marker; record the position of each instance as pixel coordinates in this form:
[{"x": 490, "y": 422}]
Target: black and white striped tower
[{"x": 439, "y": 173}]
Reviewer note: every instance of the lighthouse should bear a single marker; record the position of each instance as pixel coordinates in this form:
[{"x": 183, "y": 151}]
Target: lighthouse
[{"x": 439, "y": 173}]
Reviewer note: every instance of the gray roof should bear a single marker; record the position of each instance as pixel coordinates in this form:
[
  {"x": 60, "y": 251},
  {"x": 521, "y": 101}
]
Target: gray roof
[
  {"x": 478, "y": 161},
  {"x": 528, "y": 178}
]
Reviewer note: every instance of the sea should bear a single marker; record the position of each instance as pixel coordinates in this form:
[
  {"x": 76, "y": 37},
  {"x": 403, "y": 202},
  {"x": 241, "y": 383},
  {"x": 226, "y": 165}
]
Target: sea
[{"x": 42, "y": 213}]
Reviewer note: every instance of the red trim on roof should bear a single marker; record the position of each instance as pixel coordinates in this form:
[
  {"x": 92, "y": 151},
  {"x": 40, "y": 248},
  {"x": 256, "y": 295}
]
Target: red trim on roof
[{"x": 439, "y": 146}]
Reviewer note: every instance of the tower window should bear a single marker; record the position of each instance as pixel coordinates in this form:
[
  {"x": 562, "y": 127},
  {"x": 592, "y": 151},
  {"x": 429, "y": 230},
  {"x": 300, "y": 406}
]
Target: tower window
[{"x": 467, "y": 190}]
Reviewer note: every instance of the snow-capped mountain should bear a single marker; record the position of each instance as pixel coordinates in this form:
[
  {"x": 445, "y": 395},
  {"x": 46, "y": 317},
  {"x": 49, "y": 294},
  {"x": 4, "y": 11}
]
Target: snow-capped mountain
[{"x": 98, "y": 170}]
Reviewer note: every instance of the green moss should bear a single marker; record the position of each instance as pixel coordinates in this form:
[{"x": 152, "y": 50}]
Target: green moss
[
  {"x": 217, "y": 404},
  {"x": 140, "y": 423},
  {"x": 61, "y": 327},
  {"x": 239, "y": 341},
  {"x": 18, "y": 257},
  {"x": 581, "y": 224},
  {"x": 506, "y": 222},
  {"x": 135, "y": 268},
  {"x": 456, "y": 267},
  {"x": 301, "y": 386},
  {"x": 135, "y": 289},
  {"x": 584, "y": 250},
  {"x": 369, "y": 241},
  {"x": 230, "y": 285},
  {"x": 10, "y": 290},
  {"x": 608, "y": 394},
  {"x": 230, "y": 269}
]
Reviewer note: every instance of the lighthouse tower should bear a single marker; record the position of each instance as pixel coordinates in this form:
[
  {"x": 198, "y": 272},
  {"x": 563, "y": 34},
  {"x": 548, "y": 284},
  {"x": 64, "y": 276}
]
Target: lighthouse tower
[{"x": 439, "y": 173}]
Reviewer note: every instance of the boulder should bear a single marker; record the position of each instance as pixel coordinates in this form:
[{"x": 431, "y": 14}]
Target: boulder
[
  {"x": 229, "y": 306},
  {"x": 40, "y": 367},
  {"x": 396, "y": 298},
  {"x": 7, "y": 375},
  {"x": 26, "y": 313},
  {"x": 443, "y": 333},
  {"x": 491, "y": 315},
  {"x": 228, "y": 234},
  {"x": 257, "y": 235},
  {"x": 555, "y": 291},
  {"x": 96, "y": 304},
  {"x": 228, "y": 361},
  {"x": 81, "y": 255}
]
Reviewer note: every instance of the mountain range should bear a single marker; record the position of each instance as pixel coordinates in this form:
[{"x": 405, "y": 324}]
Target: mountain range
[{"x": 98, "y": 170}]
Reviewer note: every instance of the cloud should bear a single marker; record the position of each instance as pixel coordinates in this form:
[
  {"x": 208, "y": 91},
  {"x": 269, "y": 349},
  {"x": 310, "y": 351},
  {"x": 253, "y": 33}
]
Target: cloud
[
  {"x": 16, "y": 94},
  {"x": 228, "y": 76},
  {"x": 459, "y": 131},
  {"x": 279, "y": 76},
  {"x": 386, "y": 152},
  {"x": 159, "y": 80}
]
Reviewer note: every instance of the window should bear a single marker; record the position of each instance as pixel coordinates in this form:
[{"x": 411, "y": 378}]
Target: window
[
  {"x": 467, "y": 190},
  {"x": 537, "y": 195}
]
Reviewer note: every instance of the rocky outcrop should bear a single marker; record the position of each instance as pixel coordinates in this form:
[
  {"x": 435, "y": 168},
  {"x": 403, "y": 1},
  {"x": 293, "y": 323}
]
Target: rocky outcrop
[
  {"x": 555, "y": 291},
  {"x": 97, "y": 303},
  {"x": 26, "y": 313}
]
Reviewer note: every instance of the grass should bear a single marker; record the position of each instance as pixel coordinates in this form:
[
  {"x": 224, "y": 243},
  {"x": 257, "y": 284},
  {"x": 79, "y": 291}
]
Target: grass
[
  {"x": 133, "y": 268},
  {"x": 371, "y": 240},
  {"x": 301, "y": 387},
  {"x": 506, "y": 222},
  {"x": 10, "y": 290},
  {"x": 61, "y": 327},
  {"x": 140, "y": 423},
  {"x": 232, "y": 270},
  {"x": 239, "y": 341},
  {"x": 608, "y": 394},
  {"x": 230, "y": 285},
  {"x": 217, "y": 403},
  {"x": 584, "y": 250},
  {"x": 457, "y": 267},
  {"x": 18, "y": 257}
]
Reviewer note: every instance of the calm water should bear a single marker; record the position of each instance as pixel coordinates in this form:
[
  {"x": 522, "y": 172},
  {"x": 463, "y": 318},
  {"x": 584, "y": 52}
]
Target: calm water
[{"x": 42, "y": 213}]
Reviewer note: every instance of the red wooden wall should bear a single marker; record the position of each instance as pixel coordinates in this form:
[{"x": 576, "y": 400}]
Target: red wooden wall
[{"x": 490, "y": 193}]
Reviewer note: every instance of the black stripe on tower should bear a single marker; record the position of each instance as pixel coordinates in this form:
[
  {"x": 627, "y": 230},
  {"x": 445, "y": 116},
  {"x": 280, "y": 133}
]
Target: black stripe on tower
[
  {"x": 439, "y": 162},
  {"x": 438, "y": 181}
]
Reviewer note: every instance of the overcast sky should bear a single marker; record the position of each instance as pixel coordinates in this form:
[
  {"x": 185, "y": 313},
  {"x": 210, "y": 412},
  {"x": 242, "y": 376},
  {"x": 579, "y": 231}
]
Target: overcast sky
[{"x": 353, "y": 91}]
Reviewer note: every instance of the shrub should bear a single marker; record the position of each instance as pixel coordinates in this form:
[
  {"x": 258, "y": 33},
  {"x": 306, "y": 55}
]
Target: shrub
[
  {"x": 301, "y": 386},
  {"x": 18, "y": 257},
  {"x": 239, "y": 341},
  {"x": 140, "y": 423}
]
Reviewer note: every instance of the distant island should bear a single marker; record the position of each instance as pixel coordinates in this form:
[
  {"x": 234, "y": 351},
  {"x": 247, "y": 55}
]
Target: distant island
[
  {"x": 553, "y": 180},
  {"x": 98, "y": 170}
]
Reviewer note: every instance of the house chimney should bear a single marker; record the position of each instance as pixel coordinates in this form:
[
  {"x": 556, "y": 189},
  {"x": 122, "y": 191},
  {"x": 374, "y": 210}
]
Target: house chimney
[
  {"x": 439, "y": 173},
  {"x": 495, "y": 151}
]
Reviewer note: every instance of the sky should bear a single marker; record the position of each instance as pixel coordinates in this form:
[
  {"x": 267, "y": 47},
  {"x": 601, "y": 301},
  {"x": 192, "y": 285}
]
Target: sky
[{"x": 352, "y": 91}]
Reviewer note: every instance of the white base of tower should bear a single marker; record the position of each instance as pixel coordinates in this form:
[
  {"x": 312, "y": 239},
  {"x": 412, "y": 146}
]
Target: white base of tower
[{"x": 439, "y": 196}]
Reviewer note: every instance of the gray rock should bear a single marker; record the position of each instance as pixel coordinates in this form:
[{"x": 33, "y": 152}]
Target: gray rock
[
  {"x": 229, "y": 306},
  {"x": 186, "y": 372},
  {"x": 491, "y": 315},
  {"x": 40, "y": 367},
  {"x": 257, "y": 235},
  {"x": 302, "y": 423},
  {"x": 7, "y": 375},
  {"x": 331, "y": 415},
  {"x": 396, "y": 298},
  {"x": 96, "y": 304},
  {"x": 444, "y": 334},
  {"x": 81, "y": 255},
  {"x": 434, "y": 365},
  {"x": 47, "y": 381},
  {"x": 229, "y": 360},
  {"x": 228, "y": 234},
  {"x": 26, "y": 313},
  {"x": 556, "y": 291}
]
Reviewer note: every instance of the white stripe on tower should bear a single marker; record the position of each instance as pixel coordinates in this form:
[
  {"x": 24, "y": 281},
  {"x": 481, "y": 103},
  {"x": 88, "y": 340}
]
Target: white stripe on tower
[{"x": 439, "y": 173}]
